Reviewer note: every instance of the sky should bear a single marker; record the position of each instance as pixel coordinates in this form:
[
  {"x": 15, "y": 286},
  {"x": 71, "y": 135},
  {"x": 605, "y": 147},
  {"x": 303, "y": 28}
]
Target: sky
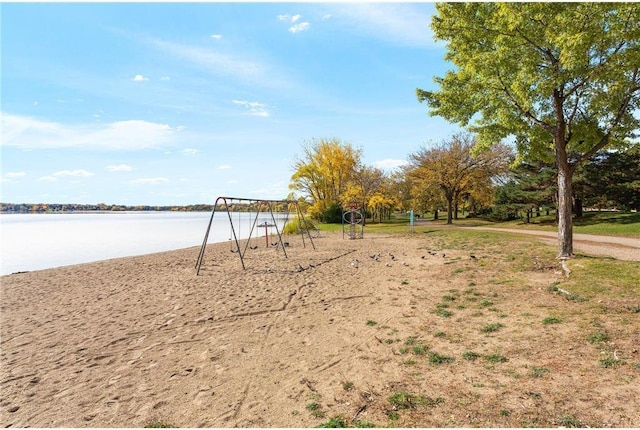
[{"x": 179, "y": 103}]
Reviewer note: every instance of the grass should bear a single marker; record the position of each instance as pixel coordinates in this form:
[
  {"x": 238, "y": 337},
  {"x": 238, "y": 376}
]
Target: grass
[
  {"x": 340, "y": 421},
  {"x": 371, "y": 323},
  {"x": 515, "y": 265},
  {"x": 441, "y": 312},
  {"x": 404, "y": 400},
  {"x": 569, "y": 421},
  {"x": 470, "y": 355},
  {"x": 597, "y": 337},
  {"x": 611, "y": 223},
  {"x": 490, "y": 328},
  {"x": 538, "y": 372},
  {"x": 315, "y": 409},
  {"x": 496, "y": 358},
  {"x": 609, "y": 362},
  {"x": 551, "y": 320},
  {"x": 437, "y": 359},
  {"x": 419, "y": 350},
  {"x": 158, "y": 425},
  {"x": 347, "y": 385},
  {"x": 607, "y": 223}
]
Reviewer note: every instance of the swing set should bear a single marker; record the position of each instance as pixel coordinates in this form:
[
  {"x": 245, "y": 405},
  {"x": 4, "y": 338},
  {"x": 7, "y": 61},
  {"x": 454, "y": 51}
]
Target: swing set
[{"x": 254, "y": 208}]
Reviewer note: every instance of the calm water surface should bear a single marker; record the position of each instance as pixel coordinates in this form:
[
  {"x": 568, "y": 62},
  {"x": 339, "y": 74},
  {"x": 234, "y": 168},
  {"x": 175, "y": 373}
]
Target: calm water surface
[{"x": 41, "y": 241}]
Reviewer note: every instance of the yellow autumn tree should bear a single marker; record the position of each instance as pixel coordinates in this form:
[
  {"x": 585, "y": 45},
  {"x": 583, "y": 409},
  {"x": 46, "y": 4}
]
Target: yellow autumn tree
[{"x": 322, "y": 174}]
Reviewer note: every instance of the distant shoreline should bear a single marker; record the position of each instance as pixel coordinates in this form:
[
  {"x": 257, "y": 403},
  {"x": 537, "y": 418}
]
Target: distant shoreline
[{"x": 100, "y": 207}]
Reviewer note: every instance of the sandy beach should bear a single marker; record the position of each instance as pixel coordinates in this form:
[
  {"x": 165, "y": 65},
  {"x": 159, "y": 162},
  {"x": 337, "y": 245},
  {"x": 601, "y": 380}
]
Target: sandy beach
[{"x": 133, "y": 341}]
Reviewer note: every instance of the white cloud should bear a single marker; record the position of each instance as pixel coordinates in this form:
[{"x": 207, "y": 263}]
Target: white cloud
[
  {"x": 389, "y": 164},
  {"x": 165, "y": 78},
  {"x": 407, "y": 24},
  {"x": 303, "y": 26},
  {"x": 224, "y": 166},
  {"x": 14, "y": 175},
  {"x": 296, "y": 28},
  {"x": 119, "y": 168},
  {"x": 139, "y": 78},
  {"x": 216, "y": 36},
  {"x": 253, "y": 108},
  {"x": 326, "y": 16},
  {"x": 214, "y": 62},
  {"x": 77, "y": 173},
  {"x": 26, "y": 132},
  {"x": 180, "y": 128},
  {"x": 48, "y": 178},
  {"x": 189, "y": 151},
  {"x": 152, "y": 181}
]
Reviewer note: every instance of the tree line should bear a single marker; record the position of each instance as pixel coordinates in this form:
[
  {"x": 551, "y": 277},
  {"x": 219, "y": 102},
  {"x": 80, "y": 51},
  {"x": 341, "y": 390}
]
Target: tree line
[
  {"x": 453, "y": 176},
  {"x": 560, "y": 80},
  {"x": 103, "y": 207}
]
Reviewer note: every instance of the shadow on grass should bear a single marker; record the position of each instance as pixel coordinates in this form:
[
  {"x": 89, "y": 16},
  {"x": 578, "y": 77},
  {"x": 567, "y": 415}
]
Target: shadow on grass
[{"x": 591, "y": 218}]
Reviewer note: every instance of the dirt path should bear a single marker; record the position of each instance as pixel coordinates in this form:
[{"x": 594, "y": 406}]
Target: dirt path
[{"x": 620, "y": 248}]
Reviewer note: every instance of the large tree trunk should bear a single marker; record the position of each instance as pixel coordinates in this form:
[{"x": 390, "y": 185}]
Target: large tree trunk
[
  {"x": 450, "y": 211},
  {"x": 565, "y": 223},
  {"x": 565, "y": 174}
]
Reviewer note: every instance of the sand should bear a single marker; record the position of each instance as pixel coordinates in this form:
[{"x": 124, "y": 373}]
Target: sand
[{"x": 292, "y": 342}]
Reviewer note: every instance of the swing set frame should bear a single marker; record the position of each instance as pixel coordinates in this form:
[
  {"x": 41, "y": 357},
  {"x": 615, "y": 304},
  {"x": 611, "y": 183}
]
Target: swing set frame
[{"x": 261, "y": 206}]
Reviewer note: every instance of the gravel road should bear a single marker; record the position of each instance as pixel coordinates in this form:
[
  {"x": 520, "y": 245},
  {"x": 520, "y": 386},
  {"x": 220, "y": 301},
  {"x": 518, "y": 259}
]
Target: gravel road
[{"x": 620, "y": 248}]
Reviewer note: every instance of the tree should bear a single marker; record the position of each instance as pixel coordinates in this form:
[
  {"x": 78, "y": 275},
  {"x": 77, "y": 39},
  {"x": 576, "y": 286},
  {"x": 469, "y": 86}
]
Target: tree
[
  {"x": 452, "y": 168},
  {"x": 365, "y": 182},
  {"x": 612, "y": 180},
  {"x": 324, "y": 172},
  {"x": 563, "y": 78}
]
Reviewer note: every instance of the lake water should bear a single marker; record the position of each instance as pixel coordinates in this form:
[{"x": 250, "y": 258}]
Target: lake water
[{"x": 42, "y": 241}]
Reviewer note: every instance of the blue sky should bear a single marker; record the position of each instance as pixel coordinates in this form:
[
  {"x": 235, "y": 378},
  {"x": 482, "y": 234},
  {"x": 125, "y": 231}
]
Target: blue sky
[{"x": 178, "y": 103}]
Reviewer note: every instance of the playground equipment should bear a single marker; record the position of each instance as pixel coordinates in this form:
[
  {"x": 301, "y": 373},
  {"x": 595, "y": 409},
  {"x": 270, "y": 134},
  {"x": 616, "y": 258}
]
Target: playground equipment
[
  {"x": 354, "y": 218},
  {"x": 229, "y": 204}
]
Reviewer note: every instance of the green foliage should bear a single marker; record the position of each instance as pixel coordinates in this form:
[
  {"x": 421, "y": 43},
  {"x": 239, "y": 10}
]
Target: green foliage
[
  {"x": 332, "y": 214},
  {"x": 612, "y": 180},
  {"x": 562, "y": 78}
]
